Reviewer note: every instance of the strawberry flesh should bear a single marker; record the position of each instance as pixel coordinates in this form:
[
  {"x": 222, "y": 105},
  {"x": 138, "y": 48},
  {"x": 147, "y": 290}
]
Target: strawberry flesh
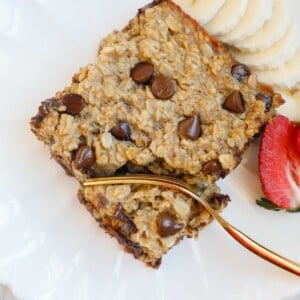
[
  {"x": 294, "y": 155},
  {"x": 279, "y": 163},
  {"x": 298, "y": 139}
]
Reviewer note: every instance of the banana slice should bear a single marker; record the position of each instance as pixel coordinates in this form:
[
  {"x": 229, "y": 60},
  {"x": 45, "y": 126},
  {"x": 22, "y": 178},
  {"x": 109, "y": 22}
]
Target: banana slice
[
  {"x": 286, "y": 76},
  {"x": 201, "y": 10},
  {"x": 275, "y": 56},
  {"x": 227, "y": 17},
  {"x": 257, "y": 13},
  {"x": 273, "y": 30}
]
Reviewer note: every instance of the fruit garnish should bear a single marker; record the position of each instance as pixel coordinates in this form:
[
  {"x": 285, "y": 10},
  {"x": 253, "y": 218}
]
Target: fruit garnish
[{"x": 279, "y": 164}]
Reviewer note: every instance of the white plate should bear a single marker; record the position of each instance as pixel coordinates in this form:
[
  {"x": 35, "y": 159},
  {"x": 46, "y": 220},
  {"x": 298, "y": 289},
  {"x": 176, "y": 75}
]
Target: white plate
[{"x": 50, "y": 247}]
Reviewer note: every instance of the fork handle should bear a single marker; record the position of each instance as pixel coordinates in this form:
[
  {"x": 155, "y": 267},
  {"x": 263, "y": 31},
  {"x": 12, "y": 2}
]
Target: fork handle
[{"x": 262, "y": 251}]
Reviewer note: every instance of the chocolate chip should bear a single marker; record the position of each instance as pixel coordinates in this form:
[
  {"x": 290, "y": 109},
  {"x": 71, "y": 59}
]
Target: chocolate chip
[
  {"x": 235, "y": 102},
  {"x": 156, "y": 263},
  {"x": 219, "y": 201},
  {"x": 122, "y": 131},
  {"x": 129, "y": 246},
  {"x": 167, "y": 225},
  {"x": 121, "y": 215},
  {"x": 133, "y": 248},
  {"x": 162, "y": 87},
  {"x": 240, "y": 72},
  {"x": 266, "y": 99},
  {"x": 44, "y": 110},
  {"x": 124, "y": 224},
  {"x": 212, "y": 167},
  {"x": 142, "y": 72},
  {"x": 35, "y": 122},
  {"x": 84, "y": 158},
  {"x": 74, "y": 104},
  {"x": 190, "y": 128}
]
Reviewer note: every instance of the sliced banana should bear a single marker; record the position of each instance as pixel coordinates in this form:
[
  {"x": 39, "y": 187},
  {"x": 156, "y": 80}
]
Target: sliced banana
[
  {"x": 273, "y": 30},
  {"x": 257, "y": 13},
  {"x": 285, "y": 77},
  {"x": 201, "y": 10},
  {"x": 227, "y": 17},
  {"x": 275, "y": 56}
]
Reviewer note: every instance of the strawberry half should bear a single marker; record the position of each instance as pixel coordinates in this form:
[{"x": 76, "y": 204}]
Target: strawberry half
[{"x": 279, "y": 163}]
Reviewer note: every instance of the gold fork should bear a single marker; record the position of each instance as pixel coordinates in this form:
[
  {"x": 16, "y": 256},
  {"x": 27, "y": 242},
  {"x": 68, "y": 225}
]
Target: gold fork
[{"x": 179, "y": 185}]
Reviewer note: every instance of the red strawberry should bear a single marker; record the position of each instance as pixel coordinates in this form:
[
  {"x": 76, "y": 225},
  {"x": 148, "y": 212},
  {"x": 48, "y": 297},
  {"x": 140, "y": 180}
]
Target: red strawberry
[
  {"x": 279, "y": 163},
  {"x": 298, "y": 140}
]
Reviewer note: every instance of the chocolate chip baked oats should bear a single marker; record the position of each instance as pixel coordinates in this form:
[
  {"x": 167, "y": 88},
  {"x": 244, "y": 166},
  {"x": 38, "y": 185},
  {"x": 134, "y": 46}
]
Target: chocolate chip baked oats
[
  {"x": 162, "y": 97},
  {"x": 149, "y": 220}
]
